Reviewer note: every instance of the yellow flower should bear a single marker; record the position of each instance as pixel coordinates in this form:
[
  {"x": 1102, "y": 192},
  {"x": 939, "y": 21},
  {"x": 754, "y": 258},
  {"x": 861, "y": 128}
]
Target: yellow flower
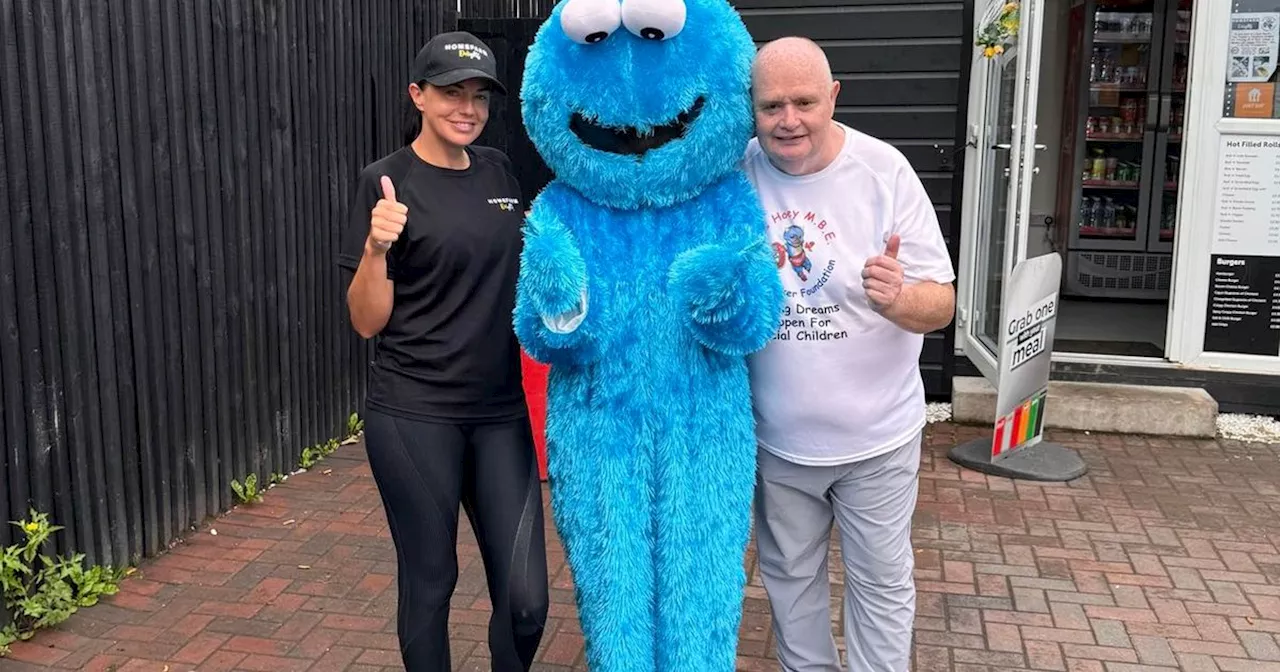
[
  {"x": 1010, "y": 6},
  {"x": 32, "y": 527},
  {"x": 999, "y": 49},
  {"x": 989, "y": 52}
]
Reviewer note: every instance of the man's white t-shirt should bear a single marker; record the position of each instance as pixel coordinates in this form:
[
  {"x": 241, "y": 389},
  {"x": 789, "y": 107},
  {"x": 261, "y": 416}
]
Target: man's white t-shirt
[{"x": 839, "y": 382}]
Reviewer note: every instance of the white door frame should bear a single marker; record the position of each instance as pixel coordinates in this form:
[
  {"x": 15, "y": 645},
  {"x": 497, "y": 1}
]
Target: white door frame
[
  {"x": 1022, "y": 166},
  {"x": 1197, "y": 208}
]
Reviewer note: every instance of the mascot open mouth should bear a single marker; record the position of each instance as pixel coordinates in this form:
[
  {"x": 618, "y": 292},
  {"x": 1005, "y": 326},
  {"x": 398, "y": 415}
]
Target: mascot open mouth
[{"x": 627, "y": 140}]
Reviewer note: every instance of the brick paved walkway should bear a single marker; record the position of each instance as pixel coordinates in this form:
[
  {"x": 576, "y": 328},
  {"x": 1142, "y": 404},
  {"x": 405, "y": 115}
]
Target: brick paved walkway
[{"x": 1165, "y": 557}]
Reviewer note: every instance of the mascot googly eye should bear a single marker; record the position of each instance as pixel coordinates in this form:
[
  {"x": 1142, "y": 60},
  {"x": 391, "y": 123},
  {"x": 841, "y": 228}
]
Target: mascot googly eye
[
  {"x": 654, "y": 19},
  {"x": 591, "y": 21}
]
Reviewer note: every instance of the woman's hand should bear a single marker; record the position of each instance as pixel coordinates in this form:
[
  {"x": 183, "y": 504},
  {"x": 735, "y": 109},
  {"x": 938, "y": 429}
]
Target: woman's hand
[
  {"x": 371, "y": 295},
  {"x": 388, "y": 219}
]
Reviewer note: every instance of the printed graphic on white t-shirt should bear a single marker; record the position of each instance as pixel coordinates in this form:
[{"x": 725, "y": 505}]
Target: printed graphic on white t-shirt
[
  {"x": 803, "y": 245},
  {"x": 839, "y": 382}
]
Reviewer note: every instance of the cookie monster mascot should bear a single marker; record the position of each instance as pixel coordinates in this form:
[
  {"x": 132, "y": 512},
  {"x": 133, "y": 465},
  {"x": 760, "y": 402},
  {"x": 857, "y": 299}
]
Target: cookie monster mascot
[{"x": 645, "y": 280}]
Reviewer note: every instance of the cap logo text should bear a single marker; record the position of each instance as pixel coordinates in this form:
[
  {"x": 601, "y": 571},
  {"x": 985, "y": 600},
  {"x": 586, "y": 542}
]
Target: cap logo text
[{"x": 467, "y": 50}]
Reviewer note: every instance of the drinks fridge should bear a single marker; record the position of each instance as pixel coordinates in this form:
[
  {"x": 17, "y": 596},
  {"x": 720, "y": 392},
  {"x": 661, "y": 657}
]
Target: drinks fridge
[{"x": 1126, "y": 84}]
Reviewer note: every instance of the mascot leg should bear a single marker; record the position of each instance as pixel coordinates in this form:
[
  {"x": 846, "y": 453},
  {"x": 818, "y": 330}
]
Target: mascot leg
[
  {"x": 706, "y": 479},
  {"x": 600, "y": 496}
]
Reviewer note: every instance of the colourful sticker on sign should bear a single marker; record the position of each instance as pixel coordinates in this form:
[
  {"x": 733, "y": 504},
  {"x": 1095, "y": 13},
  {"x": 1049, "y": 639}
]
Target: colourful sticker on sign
[
  {"x": 1021, "y": 427},
  {"x": 1255, "y": 101}
]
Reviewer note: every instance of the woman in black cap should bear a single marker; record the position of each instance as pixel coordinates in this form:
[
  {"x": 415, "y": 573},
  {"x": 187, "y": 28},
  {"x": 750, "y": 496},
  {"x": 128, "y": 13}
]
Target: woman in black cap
[{"x": 434, "y": 242}]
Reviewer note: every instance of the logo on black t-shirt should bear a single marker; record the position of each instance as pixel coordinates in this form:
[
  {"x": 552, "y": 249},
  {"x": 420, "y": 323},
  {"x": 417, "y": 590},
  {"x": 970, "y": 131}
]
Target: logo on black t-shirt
[{"x": 505, "y": 204}]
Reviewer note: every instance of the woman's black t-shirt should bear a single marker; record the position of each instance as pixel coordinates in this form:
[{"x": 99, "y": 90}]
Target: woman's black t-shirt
[{"x": 448, "y": 352}]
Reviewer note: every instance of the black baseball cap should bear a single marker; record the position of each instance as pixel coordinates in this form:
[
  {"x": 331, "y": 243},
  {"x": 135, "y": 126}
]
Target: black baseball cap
[{"x": 453, "y": 57}]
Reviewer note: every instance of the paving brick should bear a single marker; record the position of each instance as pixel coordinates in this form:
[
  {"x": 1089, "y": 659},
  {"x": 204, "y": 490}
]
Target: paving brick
[
  {"x": 1195, "y": 662},
  {"x": 1159, "y": 559},
  {"x": 1041, "y": 655},
  {"x": 1110, "y": 633},
  {"x": 1068, "y": 616},
  {"x": 1154, "y": 650},
  {"x": 317, "y": 642},
  {"x": 1214, "y": 628},
  {"x": 1003, "y": 637},
  {"x": 199, "y": 648},
  {"x": 103, "y": 664},
  {"x": 258, "y": 646},
  {"x": 222, "y": 661},
  {"x": 263, "y": 663},
  {"x": 36, "y": 653},
  {"x": 1260, "y": 646}
]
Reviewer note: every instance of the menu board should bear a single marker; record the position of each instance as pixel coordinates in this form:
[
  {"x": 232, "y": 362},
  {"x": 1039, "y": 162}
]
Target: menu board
[
  {"x": 1253, "y": 49},
  {"x": 1244, "y": 283},
  {"x": 1244, "y": 306},
  {"x": 1247, "y": 221}
]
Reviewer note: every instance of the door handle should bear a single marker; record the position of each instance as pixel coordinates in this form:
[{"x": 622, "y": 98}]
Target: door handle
[
  {"x": 1040, "y": 148},
  {"x": 1166, "y": 111},
  {"x": 1002, "y": 145}
]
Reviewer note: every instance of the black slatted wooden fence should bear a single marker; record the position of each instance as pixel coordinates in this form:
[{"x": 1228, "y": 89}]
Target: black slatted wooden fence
[
  {"x": 504, "y": 9},
  {"x": 173, "y": 177}
]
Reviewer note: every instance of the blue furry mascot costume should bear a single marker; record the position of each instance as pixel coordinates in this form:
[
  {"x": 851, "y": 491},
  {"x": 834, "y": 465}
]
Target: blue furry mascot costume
[{"x": 645, "y": 280}]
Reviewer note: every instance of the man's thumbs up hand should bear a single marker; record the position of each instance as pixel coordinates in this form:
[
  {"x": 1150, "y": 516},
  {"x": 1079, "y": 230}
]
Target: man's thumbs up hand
[
  {"x": 890, "y": 248},
  {"x": 388, "y": 219},
  {"x": 882, "y": 276}
]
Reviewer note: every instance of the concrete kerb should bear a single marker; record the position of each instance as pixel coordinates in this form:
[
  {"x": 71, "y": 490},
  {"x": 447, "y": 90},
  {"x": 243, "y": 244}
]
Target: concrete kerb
[{"x": 1101, "y": 407}]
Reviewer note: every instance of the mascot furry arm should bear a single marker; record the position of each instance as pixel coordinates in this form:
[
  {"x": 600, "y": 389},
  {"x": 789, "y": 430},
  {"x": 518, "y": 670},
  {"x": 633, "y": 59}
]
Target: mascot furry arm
[{"x": 645, "y": 280}]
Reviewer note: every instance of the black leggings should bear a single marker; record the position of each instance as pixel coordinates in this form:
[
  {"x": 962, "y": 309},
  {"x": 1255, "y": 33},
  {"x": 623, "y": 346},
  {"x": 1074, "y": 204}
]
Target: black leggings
[{"x": 424, "y": 471}]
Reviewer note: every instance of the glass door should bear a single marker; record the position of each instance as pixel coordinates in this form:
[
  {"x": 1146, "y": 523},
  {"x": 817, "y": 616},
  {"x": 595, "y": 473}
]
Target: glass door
[
  {"x": 1168, "y": 130},
  {"x": 1119, "y": 112},
  {"x": 1124, "y": 100},
  {"x": 1004, "y": 122}
]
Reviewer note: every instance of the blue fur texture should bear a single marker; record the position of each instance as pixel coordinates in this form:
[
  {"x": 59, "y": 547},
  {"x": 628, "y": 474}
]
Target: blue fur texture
[
  {"x": 628, "y": 81},
  {"x": 651, "y": 442}
]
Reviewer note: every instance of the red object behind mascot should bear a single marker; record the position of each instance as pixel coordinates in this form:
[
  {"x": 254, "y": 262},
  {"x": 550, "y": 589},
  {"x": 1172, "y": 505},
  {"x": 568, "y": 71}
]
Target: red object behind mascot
[{"x": 535, "y": 391}]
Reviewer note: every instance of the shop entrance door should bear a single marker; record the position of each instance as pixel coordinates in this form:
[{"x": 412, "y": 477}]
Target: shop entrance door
[{"x": 1000, "y": 166}]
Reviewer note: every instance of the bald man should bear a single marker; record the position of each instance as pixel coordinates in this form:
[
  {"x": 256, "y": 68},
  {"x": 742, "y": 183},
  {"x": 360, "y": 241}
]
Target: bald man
[{"x": 838, "y": 396}]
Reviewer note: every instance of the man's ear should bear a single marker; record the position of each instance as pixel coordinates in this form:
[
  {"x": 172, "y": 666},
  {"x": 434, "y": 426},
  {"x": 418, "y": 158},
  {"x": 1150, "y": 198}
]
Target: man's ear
[{"x": 835, "y": 91}]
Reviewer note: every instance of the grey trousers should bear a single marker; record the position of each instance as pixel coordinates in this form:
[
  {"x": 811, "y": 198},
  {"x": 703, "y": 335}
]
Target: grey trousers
[{"x": 872, "y": 501}]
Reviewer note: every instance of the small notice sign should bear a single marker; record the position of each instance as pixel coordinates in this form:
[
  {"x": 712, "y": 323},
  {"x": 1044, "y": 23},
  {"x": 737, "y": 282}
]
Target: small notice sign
[{"x": 1026, "y": 343}]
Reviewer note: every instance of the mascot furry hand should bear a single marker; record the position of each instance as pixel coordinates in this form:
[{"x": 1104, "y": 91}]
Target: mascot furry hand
[{"x": 645, "y": 280}]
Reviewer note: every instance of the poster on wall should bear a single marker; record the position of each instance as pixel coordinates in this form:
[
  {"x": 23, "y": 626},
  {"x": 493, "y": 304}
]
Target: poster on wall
[
  {"x": 1253, "y": 44},
  {"x": 1030, "y": 313},
  {"x": 1243, "y": 311},
  {"x": 1253, "y": 49}
]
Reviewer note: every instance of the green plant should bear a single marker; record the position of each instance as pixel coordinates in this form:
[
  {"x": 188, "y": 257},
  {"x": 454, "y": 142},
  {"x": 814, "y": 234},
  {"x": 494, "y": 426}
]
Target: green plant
[
  {"x": 277, "y": 478},
  {"x": 309, "y": 457},
  {"x": 42, "y": 591},
  {"x": 314, "y": 454},
  {"x": 247, "y": 493}
]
